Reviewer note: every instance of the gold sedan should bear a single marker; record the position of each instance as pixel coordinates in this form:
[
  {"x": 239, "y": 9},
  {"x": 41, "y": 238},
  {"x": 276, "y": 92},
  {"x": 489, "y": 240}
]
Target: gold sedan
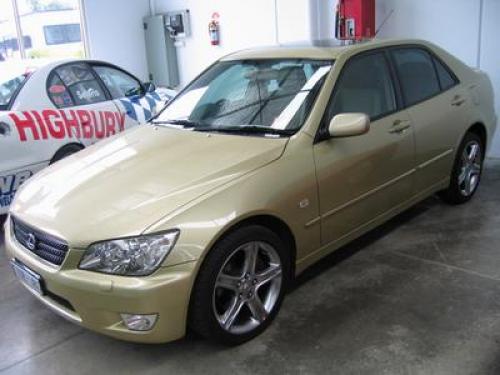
[{"x": 269, "y": 160}]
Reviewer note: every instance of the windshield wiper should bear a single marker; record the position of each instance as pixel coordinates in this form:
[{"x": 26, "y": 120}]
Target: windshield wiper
[
  {"x": 249, "y": 129},
  {"x": 183, "y": 123}
]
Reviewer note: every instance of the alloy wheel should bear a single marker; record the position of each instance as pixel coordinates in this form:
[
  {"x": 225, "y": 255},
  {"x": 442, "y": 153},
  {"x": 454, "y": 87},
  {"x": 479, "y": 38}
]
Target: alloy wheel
[
  {"x": 470, "y": 172},
  {"x": 247, "y": 287}
]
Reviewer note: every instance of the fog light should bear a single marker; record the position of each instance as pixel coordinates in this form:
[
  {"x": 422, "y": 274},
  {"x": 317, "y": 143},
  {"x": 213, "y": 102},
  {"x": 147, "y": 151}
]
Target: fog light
[{"x": 136, "y": 322}]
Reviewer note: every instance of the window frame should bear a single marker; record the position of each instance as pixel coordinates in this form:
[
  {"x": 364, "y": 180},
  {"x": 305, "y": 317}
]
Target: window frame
[
  {"x": 445, "y": 66},
  {"x": 322, "y": 132},
  {"x": 432, "y": 56},
  {"x": 53, "y": 71},
  {"x": 95, "y": 63}
]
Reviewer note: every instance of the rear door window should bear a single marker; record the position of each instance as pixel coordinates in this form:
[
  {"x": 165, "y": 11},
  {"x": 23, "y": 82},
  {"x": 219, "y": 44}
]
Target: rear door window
[
  {"x": 416, "y": 73},
  {"x": 80, "y": 83},
  {"x": 58, "y": 92}
]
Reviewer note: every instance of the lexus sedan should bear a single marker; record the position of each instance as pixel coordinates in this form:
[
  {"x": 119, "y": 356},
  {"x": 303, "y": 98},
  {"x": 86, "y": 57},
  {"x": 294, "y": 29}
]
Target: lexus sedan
[{"x": 268, "y": 161}]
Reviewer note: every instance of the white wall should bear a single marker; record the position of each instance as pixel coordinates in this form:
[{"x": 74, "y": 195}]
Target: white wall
[
  {"x": 115, "y": 33},
  {"x": 490, "y": 56},
  {"x": 115, "y": 29},
  {"x": 243, "y": 24},
  {"x": 458, "y": 26}
]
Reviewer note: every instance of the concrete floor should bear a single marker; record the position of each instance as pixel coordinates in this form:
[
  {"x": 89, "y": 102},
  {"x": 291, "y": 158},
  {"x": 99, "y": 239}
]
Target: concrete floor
[{"x": 419, "y": 295}]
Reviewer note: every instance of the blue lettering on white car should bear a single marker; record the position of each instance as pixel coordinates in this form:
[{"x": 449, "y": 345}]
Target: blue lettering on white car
[{"x": 9, "y": 185}]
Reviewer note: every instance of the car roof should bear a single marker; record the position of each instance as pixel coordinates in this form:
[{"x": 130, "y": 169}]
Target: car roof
[{"x": 325, "y": 49}]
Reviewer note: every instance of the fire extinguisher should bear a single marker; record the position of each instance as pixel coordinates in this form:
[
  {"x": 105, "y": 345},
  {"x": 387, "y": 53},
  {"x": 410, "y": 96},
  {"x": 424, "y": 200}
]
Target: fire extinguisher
[{"x": 213, "y": 30}]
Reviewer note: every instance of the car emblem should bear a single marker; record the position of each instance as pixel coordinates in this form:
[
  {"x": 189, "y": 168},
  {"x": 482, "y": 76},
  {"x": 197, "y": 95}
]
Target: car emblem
[{"x": 31, "y": 242}]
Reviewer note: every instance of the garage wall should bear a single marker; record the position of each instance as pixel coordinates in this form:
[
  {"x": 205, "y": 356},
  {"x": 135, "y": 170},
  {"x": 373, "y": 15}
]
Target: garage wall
[
  {"x": 466, "y": 28},
  {"x": 457, "y": 25},
  {"x": 489, "y": 57},
  {"x": 115, "y": 33},
  {"x": 244, "y": 24}
]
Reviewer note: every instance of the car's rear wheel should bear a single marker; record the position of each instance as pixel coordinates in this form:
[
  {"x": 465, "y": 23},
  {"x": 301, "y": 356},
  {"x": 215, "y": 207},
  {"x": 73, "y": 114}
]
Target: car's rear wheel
[
  {"x": 467, "y": 169},
  {"x": 65, "y": 152},
  {"x": 240, "y": 286}
]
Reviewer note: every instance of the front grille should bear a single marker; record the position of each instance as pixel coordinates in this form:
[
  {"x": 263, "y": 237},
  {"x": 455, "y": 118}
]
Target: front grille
[{"x": 46, "y": 246}]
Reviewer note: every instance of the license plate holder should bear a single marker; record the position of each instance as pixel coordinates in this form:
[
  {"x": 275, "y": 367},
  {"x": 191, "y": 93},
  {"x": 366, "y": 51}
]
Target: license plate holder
[{"x": 29, "y": 278}]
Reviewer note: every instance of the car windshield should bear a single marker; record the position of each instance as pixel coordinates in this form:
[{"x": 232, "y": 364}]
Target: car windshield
[
  {"x": 249, "y": 96},
  {"x": 9, "y": 88}
]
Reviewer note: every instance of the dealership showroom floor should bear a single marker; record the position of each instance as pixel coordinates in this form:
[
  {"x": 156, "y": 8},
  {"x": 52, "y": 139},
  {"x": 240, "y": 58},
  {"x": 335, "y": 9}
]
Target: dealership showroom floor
[{"x": 418, "y": 295}]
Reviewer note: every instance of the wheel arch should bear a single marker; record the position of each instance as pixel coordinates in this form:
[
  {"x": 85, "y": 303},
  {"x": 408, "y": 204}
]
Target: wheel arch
[
  {"x": 64, "y": 148},
  {"x": 269, "y": 221},
  {"x": 479, "y": 129}
]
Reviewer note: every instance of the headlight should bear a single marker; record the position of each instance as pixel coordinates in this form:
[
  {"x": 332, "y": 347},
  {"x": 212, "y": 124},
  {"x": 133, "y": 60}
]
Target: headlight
[{"x": 136, "y": 256}]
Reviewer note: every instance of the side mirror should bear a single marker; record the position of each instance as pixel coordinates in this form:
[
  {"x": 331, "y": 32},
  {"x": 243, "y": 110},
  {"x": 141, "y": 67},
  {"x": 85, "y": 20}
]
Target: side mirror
[
  {"x": 149, "y": 86},
  {"x": 349, "y": 125}
]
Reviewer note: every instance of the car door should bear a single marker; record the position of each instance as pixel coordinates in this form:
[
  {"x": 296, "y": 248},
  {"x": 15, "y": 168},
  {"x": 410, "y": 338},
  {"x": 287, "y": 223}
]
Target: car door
[
  {"x": 86, "y": 111},
  {"x": 363, "y": 177},
  {"x": 434, "y": 102},
  {"x": 129, "y": 94}
]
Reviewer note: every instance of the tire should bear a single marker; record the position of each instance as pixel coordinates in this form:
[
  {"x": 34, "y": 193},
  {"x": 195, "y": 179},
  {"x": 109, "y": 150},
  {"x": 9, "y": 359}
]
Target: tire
[
  {"x": 226, "y": 299},
  {"x": 65, "y": 152},
  {"x": 466, "y": 172}
]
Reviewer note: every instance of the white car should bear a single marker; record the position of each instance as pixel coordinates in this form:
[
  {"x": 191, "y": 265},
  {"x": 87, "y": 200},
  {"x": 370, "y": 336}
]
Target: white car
[{"x": 50, "y": 112}]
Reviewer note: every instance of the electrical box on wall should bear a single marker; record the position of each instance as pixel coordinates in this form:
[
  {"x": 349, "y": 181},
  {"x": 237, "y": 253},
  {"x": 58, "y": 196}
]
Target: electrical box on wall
[
  {"x": 355, "y": 19},
  {"x": 178, "y": 24},
  {"x": 161, "y": 52}
]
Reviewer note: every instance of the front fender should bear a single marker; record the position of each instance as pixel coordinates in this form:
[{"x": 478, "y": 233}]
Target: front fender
[{"x": 285, "y": 189}]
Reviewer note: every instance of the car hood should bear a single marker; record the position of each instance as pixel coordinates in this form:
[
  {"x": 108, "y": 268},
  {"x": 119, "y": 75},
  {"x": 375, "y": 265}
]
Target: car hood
[{"x": 123, "y": 185}]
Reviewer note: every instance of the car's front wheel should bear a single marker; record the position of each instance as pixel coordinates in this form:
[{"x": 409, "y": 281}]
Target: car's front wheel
[
  {"x": 240, "y": 286},
  {"x": 467, "y": 169}
]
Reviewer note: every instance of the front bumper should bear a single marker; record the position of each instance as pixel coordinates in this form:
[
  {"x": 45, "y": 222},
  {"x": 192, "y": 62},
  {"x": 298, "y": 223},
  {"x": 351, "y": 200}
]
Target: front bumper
[{"x": 95, "y": 300}]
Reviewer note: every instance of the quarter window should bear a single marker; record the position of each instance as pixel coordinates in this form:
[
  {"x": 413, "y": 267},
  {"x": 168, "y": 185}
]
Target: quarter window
[
  {"x": 417, "y": 74},
  {"x": 446, "y": 80},
  {"x": 365, "y": 86},
  {"x": 119, "y": 84},
  {"x": 58, "y": 92}
]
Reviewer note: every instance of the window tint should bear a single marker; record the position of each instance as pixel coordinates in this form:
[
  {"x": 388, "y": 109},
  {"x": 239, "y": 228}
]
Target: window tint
[
  {"x": 365, "y": 86},
  {"x": 446, "y": 80},
  {"x": 119, "y": 84},
  {"x": 81, "y": 83},
  {"x": 58, "y": 92},
  {"x": 416, "y": 73}
]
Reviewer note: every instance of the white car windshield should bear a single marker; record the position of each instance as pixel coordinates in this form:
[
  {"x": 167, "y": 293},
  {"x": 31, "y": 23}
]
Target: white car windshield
[
  {"x": 265, "y": 95},
  {"x": 9, "y": 88}
]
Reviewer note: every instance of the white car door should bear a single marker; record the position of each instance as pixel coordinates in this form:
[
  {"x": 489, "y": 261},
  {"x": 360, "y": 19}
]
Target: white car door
[
  {"x": 86, "y": 107},
  {"x": 139, "y": 102}
]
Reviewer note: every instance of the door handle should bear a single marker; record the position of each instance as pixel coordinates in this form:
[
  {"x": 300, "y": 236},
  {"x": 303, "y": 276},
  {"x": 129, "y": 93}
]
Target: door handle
[
  {"x": 457, "y": 101},
  {"x": 399, "y": 126}
]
